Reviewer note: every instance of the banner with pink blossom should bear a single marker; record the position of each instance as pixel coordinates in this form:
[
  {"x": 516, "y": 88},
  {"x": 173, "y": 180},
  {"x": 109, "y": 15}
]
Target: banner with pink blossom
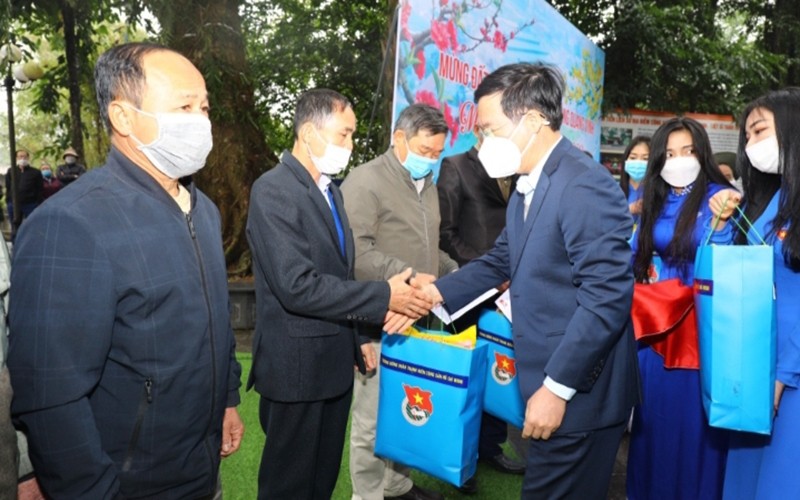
[{"x": 446, "y": 47}]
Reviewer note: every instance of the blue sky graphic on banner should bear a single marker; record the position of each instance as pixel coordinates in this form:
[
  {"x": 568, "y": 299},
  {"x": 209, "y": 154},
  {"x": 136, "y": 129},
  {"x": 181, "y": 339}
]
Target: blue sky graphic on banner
[{"x": 446, "y": 47}]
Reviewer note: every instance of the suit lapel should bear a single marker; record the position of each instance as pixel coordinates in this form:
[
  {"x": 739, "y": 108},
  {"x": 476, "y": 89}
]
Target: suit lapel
[
  {"x": 318, "y": 199},
  {"x": 539, "y": 196},
  {"x": 325, "y": 211},
  {"x": 515, "y": 226}
]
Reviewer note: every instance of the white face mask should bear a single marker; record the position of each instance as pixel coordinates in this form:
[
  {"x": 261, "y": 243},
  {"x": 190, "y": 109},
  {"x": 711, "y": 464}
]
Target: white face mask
[
  {"x": 69, "y": 160},
  {"x": 500, "y": 156},
  {"x": 764, "y": 155},
  {"x": 680, "y": 171},
  {"x": 183, "y": 143},
  {"x": 23, "y": 162},
  {"x": 333, "y": 160}
]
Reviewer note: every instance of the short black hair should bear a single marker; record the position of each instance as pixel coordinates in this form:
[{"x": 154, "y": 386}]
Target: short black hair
[
  {"x": 526, "y": 86},
  {"x": 317, "y": 106},
  {"x": 119, "y": 74},
  {"x": 420, "y": 116}
]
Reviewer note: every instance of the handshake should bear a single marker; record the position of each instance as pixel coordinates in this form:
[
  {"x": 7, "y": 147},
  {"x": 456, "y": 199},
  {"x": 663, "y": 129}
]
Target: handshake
[{"x": 411, "y": 298}]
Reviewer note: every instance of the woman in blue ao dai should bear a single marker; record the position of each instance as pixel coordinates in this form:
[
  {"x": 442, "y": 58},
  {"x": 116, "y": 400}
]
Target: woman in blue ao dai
[
  {"x": 673, "y": 453},
  {"x": 764, "y": 467},
  {"x": 630, "y": 180}
]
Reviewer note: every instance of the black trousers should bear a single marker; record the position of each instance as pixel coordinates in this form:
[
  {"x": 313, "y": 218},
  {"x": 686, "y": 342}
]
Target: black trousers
[
  {"x": 303, "y": 451},
  {"x": 575, "y": 466}
]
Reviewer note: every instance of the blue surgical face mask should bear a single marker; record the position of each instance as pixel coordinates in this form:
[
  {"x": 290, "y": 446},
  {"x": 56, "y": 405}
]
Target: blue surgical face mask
[
  {"x": 419, "y": 166},
  {"x": 636, "y": 169}
]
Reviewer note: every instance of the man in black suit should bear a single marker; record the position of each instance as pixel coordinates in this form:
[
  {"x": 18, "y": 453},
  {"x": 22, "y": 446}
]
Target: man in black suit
[
  {"x": 473, "y": 210},
  {"x": 308, "y": 304}
]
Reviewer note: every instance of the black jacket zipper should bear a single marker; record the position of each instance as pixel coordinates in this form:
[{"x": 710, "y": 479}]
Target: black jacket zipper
[
  {"x": 147, "y": 398},
  {"x": 193, "y": 234}
]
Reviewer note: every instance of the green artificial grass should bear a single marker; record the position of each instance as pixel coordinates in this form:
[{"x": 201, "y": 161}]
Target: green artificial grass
[{"x": 240, "y": 471}]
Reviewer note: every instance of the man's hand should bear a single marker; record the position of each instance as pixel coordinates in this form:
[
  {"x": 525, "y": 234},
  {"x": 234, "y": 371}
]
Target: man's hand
[
  {"x": 723, "y": 203},
  {"x": 232, "y": 432},
  {"x": 422, "y": 279},
  {"x": 29, "y": 490},
  {"x": 370, "y": 358},
  {"x": 543, "y": 414},
  {"x": 406, "y": 299},
  {"x": 433, "y": 293},
  {"x": 396, "y": 322}
]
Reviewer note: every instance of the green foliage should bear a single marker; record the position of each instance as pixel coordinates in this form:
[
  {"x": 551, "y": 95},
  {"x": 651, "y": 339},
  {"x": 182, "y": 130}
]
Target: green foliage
[
  {"x": 675, "y": 55},
  {"x": 681, "y": 55},
  {"x": 294, "y": 45},
  {"x": 38, "y": 26}
]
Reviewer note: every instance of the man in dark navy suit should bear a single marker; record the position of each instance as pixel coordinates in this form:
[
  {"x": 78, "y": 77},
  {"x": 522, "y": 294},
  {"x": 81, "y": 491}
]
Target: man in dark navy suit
[
  {"x": 473, "y": 209},
  {"x": 565, "y": 251}
]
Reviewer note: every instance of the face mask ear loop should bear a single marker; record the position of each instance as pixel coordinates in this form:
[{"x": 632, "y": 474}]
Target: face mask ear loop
[
  {"x": 533, "y": 137},
  {"x": 408, "y": 148},
  {"x": 308, "y": 147}
]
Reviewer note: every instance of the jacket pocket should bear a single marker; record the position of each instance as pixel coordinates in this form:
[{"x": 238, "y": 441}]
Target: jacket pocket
[{"x": 144, "y": 403}]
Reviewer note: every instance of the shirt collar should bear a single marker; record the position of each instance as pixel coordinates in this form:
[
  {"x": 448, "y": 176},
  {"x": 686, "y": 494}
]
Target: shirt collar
[
  {"x": 323, "y": 183},
  {"x": 527, "y": 183}
]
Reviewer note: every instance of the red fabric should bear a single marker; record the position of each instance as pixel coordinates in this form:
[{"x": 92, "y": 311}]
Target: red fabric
[{"x": 664, "y": 318}]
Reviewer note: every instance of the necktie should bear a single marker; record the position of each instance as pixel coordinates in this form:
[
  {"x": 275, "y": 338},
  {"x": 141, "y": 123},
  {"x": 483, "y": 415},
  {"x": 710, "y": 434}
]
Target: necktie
[{"x": 337, "y": 221}]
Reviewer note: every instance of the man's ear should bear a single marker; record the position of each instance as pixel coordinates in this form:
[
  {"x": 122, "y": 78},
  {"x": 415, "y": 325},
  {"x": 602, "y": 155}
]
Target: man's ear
[
  {"x": 306, "y": 133},
  {"x": 398, "y": 136},
  {"x": 120, "y": 117}
]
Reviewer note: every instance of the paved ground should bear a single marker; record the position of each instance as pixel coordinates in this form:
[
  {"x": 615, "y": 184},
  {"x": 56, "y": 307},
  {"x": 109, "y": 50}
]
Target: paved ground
[{"x": 244, "y": 342}]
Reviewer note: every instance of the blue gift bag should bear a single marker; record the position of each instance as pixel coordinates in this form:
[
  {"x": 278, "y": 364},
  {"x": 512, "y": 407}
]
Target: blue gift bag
[
  {"x": 502, "y": 397},
  {"x": 736, "y": 315},
  {"x": 429, "y": 408}
]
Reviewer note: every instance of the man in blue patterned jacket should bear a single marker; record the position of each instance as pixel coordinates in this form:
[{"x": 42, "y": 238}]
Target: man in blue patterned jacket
[{"x": 121, "y": 350}]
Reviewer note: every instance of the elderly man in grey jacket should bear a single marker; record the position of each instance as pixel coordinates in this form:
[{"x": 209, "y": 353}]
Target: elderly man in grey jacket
[
  {"x": 14, "y": 460},
  {"x": 394, "y": 214},
  {"x": 8, "y": 439}
]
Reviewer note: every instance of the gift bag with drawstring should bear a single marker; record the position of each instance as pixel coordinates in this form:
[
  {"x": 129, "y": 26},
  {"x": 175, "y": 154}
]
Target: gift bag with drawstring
[
  {"x": 430, "y": 402},
  {"x": 736, "y": 313}
]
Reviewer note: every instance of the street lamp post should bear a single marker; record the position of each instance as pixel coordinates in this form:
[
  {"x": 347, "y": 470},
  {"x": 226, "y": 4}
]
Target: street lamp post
[
  {"x": 10, "y": 54},
  {"x": 16, "y": 215}
]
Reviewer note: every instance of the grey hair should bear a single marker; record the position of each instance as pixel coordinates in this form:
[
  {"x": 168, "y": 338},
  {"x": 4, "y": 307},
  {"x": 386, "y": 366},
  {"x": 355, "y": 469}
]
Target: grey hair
[
  {"x": 421, "y": 117},
  {"x": 119, "y": 74},
  {"x": 317, "y": 106}
]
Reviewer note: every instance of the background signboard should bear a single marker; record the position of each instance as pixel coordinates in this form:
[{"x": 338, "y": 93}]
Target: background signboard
[
  {"x": 618, "y": 129},
  {"x": 445, "y": 48}
]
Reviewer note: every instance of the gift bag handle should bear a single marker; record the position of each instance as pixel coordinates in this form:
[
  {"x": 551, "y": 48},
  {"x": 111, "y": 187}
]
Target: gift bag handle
[
  {"x": 738, "y": 225},
  {"x": 749, "y": 223}
]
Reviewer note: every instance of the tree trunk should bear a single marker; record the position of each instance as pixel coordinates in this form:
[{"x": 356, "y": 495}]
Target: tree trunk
[
  {"x": 387, "y": 102},
  {"x": 782, "y": 36},
  {"x": 73, "y": 76},
  {"x": 209, "y": 33}
]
